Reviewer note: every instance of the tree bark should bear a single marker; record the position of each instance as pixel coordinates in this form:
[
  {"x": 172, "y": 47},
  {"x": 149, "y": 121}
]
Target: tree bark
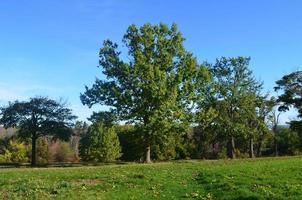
[
  {"x": 148, "y": 154},
  {"x": 213, "y": 150},
  {"x": 275, "y": 131},
  {"x": 259, "y": 146},
  {"x": 33, "y": 151},
  {"x": 231, "y": 148},
  {"x": 251, "y": 151},
  {"x": 275, "y": 145}
]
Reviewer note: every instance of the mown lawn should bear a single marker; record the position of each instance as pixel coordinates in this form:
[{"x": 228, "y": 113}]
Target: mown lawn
[{"x": 279, "y": 178}]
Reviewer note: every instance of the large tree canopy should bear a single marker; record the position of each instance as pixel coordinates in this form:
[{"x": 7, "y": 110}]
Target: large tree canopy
[
  {"x": 154, "y": 88},
  {"x": 38, "y": 117}
]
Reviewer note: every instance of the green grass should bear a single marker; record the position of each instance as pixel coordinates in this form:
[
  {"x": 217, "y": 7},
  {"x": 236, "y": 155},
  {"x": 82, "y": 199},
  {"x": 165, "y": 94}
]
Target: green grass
[{"x": 270, "y": 178}]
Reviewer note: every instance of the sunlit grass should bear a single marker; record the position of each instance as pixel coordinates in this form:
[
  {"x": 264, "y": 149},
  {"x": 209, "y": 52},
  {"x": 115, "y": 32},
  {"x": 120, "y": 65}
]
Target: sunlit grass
[{"x": 270, "y": 178}]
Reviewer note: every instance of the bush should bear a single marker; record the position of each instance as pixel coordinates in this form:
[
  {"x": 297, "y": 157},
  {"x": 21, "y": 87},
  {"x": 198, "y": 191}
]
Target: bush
[
  {"x": 222, "y": 154},
  {"x": 100, "y": 144},
  {"x": 240, "y": 154},
  {"x": 169, "y": 148},
  {"x": 61, "y": 152},
  {"x": 65, "y": 153},
  {"x": 288, "y": 142},
  {"x": 15, "y": 152},
  {"x": 42, "y": 150},
  {"x": 131, "y": 142}
]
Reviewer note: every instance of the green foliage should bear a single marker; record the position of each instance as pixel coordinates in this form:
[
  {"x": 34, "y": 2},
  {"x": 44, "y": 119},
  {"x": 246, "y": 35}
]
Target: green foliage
[
  {"x": 291, "y": 87},
  {"x": 15, "y": 152},
  {"x": 100, "y": 144},
  {"x": 106, "y": 117},
  {"x": 288, "y": 142},
  {"x": 80, "y": 128},
  {"x": 173, "y": 108},
  {"x": 131, "y": 141},
  {"x": 236, "y": 90},
  {"x": 156, "y": 88},
  {"x": 172, "y": 146},
  {"x": 36, "y": 118},
  {"x": 169, "y": 148},
  {"x": 222, "y": 154},
  {"x": 64, "y": 153},
  {"x": 60, "y": 151},
  {"x": 40, "y": 116},
  {"x": 42, "y": 150},
  {"x": 234, "y": 100}
]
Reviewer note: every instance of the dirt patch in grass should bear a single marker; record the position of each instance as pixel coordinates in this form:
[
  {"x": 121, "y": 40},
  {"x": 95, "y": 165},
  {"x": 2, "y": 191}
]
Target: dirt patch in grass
[
  {"x": 87, "y": 182},
  {"x": 3, "y": 193}
]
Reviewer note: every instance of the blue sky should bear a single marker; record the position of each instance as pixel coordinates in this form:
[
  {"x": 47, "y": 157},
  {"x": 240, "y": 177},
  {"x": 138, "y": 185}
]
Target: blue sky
[{"x": 51, "y": 47}]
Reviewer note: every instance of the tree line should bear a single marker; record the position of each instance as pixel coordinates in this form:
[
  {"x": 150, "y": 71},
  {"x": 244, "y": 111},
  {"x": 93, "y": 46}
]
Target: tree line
[{"x": 163, "y": 104}]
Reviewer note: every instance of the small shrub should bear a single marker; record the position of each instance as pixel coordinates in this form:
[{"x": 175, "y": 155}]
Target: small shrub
[
  {"x": 42, "y": 150},
  {"x": 222, "y": 154},
  {"x": 65, "y": 153},
  {"x": 61, "y": 152},
  {"x": 100, "y": 144},
  {"x": 15, "y": 152},
  {"x": 240, "y": 154}
]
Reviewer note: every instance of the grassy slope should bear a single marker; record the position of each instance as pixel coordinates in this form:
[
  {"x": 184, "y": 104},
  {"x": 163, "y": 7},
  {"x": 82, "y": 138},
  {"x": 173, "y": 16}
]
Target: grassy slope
[{"x": 241, "y": 179}]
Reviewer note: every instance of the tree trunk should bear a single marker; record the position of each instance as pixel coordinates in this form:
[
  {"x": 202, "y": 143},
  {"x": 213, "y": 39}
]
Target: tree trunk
[
  {"x": 33, "y": 151},
  {"x": 275, "y": 140},
  {"x": 213, "y": 150},
  {"x": 275, "y": 145},
  {"x": 231, "y": 148},
  {"x": 251, "y": 151},
  {"x": 259, "y": 146},
  {"x": 148, "y": 154}
]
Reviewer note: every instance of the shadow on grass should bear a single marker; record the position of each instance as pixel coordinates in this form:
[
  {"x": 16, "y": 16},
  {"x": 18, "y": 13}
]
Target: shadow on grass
[
  {"x": 226, "y": 187},
  {"x": 65, "y": 164}
]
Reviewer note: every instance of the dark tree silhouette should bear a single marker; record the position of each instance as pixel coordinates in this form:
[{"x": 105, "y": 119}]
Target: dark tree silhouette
[{"x": 40, "y": 116}]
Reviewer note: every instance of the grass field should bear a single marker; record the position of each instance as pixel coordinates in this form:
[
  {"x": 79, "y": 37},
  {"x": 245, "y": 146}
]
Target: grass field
[{"x": 279, "y": 178}]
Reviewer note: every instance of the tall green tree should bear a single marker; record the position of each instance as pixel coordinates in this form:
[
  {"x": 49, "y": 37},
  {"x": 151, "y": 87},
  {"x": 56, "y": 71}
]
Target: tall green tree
[
  {"x": 235, "y": 86},
  {"x": 38, "y": 117},
  {"x": 154, "y": 87}
]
